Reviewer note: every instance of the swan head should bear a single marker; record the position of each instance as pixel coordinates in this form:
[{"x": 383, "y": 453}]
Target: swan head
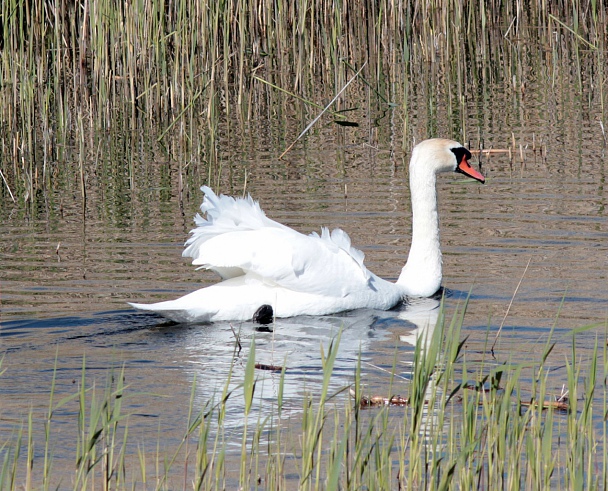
[
  {"x": 422, "y": 274},
  {"x": 441, "y": 155}
]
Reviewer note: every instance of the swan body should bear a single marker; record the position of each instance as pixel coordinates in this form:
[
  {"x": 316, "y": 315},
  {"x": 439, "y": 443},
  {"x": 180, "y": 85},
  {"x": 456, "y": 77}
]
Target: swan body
[{"x": 262, "y": 261}]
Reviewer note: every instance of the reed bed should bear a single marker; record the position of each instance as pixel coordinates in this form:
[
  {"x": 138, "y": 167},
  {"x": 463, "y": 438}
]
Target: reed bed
[
  {"x": 190, "y": 74},
  {"x": 462, "y": 427}
]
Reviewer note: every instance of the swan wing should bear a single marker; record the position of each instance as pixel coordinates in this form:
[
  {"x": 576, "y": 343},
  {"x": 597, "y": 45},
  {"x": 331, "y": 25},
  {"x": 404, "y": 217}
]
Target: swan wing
[
  {"x": 236, "y": 238},
  {"x": 224, "y": 214}
]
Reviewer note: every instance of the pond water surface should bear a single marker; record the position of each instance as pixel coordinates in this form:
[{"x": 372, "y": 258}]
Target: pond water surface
[{"x": 530, "y": 247}]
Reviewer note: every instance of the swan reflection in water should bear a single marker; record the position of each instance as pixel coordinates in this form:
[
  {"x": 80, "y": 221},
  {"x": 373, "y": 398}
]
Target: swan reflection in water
[{"x": 296, "y": 343}]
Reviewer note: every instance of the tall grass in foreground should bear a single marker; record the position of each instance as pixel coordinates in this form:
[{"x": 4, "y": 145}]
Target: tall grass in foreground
[{"x": 461, "y": 429}]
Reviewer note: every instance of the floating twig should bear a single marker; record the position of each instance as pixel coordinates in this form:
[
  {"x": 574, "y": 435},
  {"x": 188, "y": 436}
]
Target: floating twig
[
  {"x": 270, "y": 368},
  {"x": 378, "y": 401},
  {"x": 559, "y": 405}
]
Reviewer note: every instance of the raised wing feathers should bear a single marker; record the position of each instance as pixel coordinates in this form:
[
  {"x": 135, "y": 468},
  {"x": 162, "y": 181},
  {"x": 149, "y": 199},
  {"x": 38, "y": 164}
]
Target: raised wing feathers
[
  {"x": 224, "y": 214},
  {"x": 236, "y": 238}
]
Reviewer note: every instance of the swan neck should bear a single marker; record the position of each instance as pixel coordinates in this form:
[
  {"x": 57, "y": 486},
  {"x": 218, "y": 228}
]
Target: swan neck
[{"x": 422, "y": 273}]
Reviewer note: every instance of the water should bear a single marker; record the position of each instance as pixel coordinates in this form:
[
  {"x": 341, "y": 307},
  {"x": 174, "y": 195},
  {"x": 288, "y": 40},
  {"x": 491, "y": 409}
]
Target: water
[{"x": 530, "y": 246}]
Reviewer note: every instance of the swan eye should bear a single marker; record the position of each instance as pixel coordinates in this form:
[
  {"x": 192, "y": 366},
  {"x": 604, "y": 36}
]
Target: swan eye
[{"x": 461, "y": 154}]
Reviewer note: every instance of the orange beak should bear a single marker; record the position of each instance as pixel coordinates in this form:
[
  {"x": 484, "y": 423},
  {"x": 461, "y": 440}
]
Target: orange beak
[{"x": 465, "y": 168}]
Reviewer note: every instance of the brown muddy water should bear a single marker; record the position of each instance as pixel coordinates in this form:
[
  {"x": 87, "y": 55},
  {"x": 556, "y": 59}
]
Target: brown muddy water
[{"x": 69, "y": 267}]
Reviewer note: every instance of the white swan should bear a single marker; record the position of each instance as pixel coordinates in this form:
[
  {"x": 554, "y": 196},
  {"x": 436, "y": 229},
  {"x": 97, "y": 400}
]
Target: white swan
[{"x": 264, "y": 262}]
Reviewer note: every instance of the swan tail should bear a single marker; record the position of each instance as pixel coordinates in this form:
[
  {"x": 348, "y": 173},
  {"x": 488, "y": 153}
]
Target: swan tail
[
  {"x": 142, "y": 306},
  {"x": 172, "y": 312}
]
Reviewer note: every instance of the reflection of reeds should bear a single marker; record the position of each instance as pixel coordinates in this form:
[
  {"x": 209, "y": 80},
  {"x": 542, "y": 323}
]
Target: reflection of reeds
[
  {"x": 180, "y": 69},
  {"x": 463, "y": 425}
]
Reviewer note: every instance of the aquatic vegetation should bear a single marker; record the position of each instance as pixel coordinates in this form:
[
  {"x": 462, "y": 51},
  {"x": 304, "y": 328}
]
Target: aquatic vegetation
[
  {"x": 461, "y": 426},
  {"x": 188, "y": 74}
]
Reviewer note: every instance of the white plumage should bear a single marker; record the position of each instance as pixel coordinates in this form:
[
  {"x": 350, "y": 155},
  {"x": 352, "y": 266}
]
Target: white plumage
[{"x": 262, "y": 261}]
